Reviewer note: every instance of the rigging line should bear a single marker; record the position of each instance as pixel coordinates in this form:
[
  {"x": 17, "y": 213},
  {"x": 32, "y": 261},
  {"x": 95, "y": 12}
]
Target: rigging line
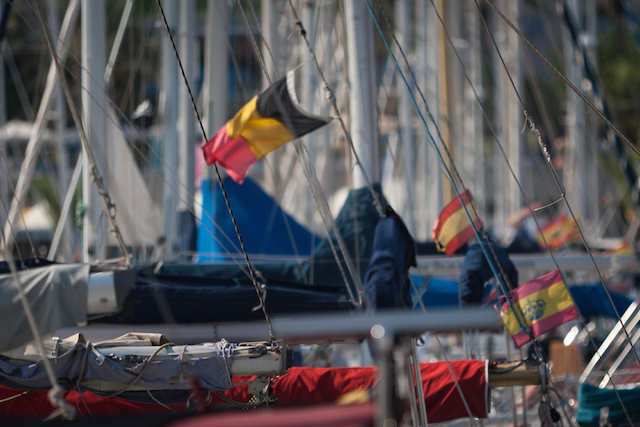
[
  {"x": 290, "y": 170},
  {"x": 548, "y": 157},
  {"x": 528, "y": 118},
  {"x": 260, "y": 56},
  {"x": 444, "y": 165},
  {"x": 55, "y": 394},
  {"x": 455, "y": 380},
  {"x": 501, "y": 279},
  {"x": 109, "y": 207},
  {"x": 11, "y": 225},
  {"x": 323, "y": 205},
  {"x": 331, "y": 97},
  {"x": 254, "y": 44},
  {"x": 315, "y": 186},
  {"x": 407, "y": 64},
  {"x": 147, "y": 157},
  {"x": 589, "y": 71},
  {"x": 224, "y": 193},
  {"x": 566, "y": 81},
  {"x": 503, "y": 275},
  {"x": 17, "y": 81},
  {"x": 259, "y": 27}
]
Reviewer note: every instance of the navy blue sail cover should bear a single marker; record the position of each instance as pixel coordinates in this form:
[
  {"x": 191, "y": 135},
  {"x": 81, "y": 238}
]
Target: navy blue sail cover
[
  {"x": 387, "y": 279},
  {"x": 476, "y": 271}
]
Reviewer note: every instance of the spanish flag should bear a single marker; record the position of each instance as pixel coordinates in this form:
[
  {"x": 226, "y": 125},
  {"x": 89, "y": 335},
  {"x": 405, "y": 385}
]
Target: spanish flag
[
  {"x": 541, "y": 304},
  {"x": 268, "y": 121},
  {"x": 452, "y": 228},
  {"x": 559, "y": 232}
]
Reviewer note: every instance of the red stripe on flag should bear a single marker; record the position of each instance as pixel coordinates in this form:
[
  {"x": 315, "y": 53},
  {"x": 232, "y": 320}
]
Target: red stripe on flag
[
  {"x": 521, "y": 338},
  {"x": 461, "y": 238},
  {"x": 449, "y": 210},
  {"x": 536, "y": 285},
  {"x": 234, "y": 155},
  {"x": 546, "y": 324}
]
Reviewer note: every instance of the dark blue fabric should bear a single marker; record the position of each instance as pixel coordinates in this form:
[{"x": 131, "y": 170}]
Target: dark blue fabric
[
  {"x": 387, "y": 281},
  {"x": 476, "y": 271},
  {"x": 592, "y": 301}
]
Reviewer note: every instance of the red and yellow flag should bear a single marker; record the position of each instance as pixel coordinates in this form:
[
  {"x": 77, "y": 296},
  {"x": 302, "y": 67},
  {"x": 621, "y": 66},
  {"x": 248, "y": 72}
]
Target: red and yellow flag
[
  {"x": 559, "y": 232},
  {"x": 542, "y": 304},
  {"x": 268, "y": 121},
  {"x": 452, "y": 228}
]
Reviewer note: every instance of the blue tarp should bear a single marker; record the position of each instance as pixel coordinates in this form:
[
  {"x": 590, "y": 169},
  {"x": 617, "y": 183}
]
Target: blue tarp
[{"x": 264, "y": 226}]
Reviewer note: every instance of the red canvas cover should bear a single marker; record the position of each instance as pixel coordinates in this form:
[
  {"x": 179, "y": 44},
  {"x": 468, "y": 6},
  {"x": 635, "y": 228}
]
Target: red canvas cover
[{"x": 299, "y": 386}]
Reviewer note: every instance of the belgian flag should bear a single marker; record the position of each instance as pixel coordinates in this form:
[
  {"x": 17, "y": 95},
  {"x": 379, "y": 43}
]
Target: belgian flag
[{"x": 268, "y": 121}]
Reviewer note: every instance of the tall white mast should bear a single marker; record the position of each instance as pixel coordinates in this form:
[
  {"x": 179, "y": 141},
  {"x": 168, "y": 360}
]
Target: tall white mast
[
  {"x": 61, "y": 148},
  {"x": 473, "y": 159},
  {"x": 168, "y": 112},
  {"x": 507, "y": 195},
  {"x": 272, "y": 53},
  {"x": 216, "y": 78},
  {"x": 429, "y": 190},
  {"x": 405, "y": 116},
  {"x": 362, "y": 89},
  {"x": 35, "y": 142},
  {"x": 94, "y": 103},
  {"x": 186, "y": 124}
]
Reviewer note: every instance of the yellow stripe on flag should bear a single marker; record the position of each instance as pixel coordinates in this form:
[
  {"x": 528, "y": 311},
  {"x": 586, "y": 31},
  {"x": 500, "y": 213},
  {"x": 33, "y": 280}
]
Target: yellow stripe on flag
[
  {"x": 457, "y": 222},
  {"x": 263, "y": 135},
  {"x": 555, "y": 297}
]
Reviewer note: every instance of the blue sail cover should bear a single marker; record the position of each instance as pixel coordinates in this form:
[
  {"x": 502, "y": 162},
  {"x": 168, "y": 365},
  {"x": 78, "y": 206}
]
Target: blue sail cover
[
  {"x": 387, "y": 281},
  {"x": 476, "y": 271},
  {"x": 222, "y": 291},
  {"x": 264, "y": 226}
]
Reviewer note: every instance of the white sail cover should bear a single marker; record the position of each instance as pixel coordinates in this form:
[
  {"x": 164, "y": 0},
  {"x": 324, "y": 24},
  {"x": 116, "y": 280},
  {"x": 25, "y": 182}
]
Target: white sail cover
[
  {"x": 56, "y": 295},
  {"x": 138, "y": 218}
]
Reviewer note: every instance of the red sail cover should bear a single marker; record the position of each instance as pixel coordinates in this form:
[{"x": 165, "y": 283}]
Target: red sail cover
[{"x": 300, "y": 386}]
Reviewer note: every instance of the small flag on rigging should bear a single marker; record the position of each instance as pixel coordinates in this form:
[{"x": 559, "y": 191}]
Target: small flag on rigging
[
  {"x": 557, "y": 233},
  {"x": 452, "y": 228},
  {"x": 269, "y": 120},
  {"x": 541, "y": 304}
]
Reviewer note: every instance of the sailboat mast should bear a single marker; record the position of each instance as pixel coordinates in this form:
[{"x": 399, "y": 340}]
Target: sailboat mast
[
  {"x": 186, "y": 126},
  {"x": 94, "y": 102},
  {"x": 61, "y": 147},
  {"x": 405, "y": 117},
  {"x": 168, "y": 113},
  {"x": 361, "y": 65},
  {"x": 4, "y": 183}
]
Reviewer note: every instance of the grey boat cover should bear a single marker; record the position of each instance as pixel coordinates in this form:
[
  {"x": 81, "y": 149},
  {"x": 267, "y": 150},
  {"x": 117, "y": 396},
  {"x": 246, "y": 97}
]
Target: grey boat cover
[
  {"x": 56, "y": 294},
  {"x": 80, "y": 365}
]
